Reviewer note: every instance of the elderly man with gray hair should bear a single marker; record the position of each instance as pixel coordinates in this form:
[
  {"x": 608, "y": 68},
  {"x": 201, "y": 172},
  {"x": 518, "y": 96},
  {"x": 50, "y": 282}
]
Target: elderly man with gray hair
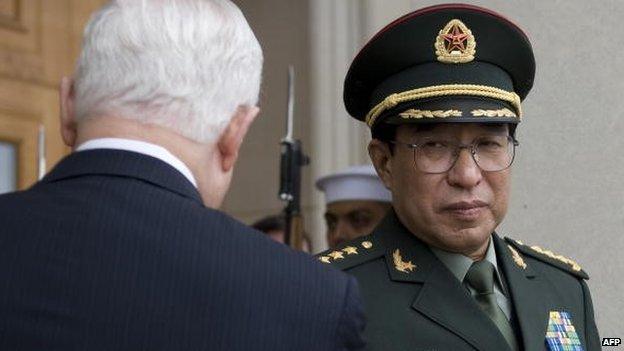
[{"x": 121, "y": 247}]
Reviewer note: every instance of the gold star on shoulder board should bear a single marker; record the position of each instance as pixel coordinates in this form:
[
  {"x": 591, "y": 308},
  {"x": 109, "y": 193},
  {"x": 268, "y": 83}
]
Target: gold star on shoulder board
[
  {"x": 336, "y": 255},
  {"x": 350, "y": 250},
  {"x": 400, "y": 265},
  {"x": 324, "y": 259}
]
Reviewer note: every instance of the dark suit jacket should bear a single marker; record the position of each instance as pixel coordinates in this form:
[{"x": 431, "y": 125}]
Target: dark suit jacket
[
  {"x": 113, "y": 250},
  {"x": 426, "y": 307}
]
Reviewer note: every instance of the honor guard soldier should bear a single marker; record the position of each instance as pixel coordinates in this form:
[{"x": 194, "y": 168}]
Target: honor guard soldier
[
  {"x": 356, "y": 201},
  {"x": 441, "y": 89}
]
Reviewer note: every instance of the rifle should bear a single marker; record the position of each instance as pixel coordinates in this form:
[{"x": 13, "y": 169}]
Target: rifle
[{"x": 292, "y": 159}]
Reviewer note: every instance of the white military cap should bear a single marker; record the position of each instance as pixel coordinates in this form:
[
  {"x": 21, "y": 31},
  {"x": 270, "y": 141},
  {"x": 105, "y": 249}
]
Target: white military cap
[{"x": 354, "y": 183}]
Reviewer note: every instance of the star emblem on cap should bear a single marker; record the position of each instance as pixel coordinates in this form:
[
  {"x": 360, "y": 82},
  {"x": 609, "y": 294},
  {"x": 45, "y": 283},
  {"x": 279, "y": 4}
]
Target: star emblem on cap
[
  {"x": 455, "y": 43},
  {"x": 456, "y": 40}
]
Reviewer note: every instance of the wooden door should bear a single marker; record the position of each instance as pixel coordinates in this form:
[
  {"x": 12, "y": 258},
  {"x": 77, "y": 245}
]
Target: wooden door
[{"x": 39, "y": 42}]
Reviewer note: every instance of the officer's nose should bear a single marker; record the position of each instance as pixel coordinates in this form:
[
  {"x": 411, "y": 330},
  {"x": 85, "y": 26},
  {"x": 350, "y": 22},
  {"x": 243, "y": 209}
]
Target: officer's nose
[{"x": 465, "y": 173}]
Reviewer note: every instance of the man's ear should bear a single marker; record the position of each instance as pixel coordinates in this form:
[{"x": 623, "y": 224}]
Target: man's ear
[
  {"x": 68, "y": 122},
  {"x": 381, "y": 156},
  {"x": 231, "y": 139}
]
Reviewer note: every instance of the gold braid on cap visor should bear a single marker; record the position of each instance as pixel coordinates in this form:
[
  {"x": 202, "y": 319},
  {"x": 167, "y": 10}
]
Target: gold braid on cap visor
[{"x": 443, "y": 90}]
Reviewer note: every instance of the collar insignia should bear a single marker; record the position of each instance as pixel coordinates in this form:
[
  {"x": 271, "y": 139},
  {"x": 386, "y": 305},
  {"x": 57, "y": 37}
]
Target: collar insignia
[
  {"x": 400, "y": 265},
  {"x": 517, "y": 258},
  {"x": 455, "y": 43},
  {"x": 561, "y": 334}
]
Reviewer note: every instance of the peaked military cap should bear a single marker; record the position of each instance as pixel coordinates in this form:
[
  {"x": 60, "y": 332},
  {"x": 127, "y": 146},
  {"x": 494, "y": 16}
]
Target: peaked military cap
[{"x": 445, "y": 63}]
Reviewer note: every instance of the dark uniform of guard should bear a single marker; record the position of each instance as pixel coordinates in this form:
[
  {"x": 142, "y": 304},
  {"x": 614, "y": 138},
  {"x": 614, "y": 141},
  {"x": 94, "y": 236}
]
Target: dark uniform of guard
[{"x": 455, "y": 64}]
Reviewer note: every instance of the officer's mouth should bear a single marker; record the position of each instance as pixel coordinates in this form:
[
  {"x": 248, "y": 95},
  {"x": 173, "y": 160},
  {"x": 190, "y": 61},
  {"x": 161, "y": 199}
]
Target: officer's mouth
[{"x": 466, "y": 210}]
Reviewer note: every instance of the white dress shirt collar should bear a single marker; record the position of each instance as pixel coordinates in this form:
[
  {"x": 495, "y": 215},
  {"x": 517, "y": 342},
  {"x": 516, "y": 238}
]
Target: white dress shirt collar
[{"x": 141, "y": 147}]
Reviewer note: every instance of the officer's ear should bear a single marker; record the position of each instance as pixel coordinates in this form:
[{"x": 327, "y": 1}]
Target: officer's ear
[
  {"x": 68, "y": 121},
  {"x": 381, "y": 155},
  {"x": 231, "y": 139}
]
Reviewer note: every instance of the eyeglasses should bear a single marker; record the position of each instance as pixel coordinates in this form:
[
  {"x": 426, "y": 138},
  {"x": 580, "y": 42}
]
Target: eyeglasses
[{"x": 491, "y": 153}]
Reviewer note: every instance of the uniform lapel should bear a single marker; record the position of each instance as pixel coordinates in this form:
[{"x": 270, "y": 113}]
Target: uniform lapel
[
  {"x": 446, "y": 302},
  {"x": 525, "y": 285},
  {"x": 442, "y": 299}
]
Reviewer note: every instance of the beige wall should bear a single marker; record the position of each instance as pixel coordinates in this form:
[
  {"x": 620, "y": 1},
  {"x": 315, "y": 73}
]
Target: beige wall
[{"x": 568, "y": 191}]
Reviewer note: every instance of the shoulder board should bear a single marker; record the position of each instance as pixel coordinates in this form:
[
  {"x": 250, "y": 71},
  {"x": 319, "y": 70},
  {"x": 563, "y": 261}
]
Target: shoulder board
[
  {"x": 352, "y": 253},
  {"x": 549, "y": 257}
]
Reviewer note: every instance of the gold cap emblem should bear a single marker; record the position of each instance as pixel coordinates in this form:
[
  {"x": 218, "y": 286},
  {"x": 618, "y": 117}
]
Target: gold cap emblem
[{"x": 455, "y": 43}]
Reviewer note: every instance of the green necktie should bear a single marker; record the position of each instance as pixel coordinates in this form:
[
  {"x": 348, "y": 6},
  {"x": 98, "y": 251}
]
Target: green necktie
[{"x": 480, "y": 276}]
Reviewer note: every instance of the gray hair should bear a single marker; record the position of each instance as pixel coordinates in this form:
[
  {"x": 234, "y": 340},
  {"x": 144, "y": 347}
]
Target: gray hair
[{"x": 186, "y": 65}]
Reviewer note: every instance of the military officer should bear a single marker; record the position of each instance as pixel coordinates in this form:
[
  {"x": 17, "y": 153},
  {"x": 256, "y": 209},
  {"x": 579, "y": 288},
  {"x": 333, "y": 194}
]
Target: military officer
[
  {"x": 441, "y": 89},
  {"x": 356, "y": 201}
]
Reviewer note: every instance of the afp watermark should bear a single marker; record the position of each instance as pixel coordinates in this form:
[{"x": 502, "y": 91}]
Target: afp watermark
[{"x": 611, "y": 341}]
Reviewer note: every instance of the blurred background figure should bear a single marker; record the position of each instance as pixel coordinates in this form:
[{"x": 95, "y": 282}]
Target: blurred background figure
[
  {"x": 356, "y": 201},
  {"x": 274, "y": 227}
]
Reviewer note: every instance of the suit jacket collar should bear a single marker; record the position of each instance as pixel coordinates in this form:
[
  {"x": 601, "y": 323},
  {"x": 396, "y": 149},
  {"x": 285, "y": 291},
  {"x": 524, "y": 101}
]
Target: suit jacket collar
[
  {"x": 441, "y": 298},
  {"x": 123, "y": 164},
  {"x": 141, "y": 147}
]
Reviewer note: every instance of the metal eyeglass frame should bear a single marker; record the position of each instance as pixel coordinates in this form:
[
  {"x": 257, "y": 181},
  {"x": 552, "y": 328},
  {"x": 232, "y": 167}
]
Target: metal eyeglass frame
[{"x": 472, "y": 147}]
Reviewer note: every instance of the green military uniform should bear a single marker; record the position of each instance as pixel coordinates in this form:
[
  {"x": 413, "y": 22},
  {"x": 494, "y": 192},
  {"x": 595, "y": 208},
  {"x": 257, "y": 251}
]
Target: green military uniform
[
  {"x": 454, "y": 64},
  {"x": 414, "y": 302}
]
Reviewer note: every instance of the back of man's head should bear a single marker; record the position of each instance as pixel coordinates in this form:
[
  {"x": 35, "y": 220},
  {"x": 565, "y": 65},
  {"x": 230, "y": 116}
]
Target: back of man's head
[{"x": 185, "y": 65}]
